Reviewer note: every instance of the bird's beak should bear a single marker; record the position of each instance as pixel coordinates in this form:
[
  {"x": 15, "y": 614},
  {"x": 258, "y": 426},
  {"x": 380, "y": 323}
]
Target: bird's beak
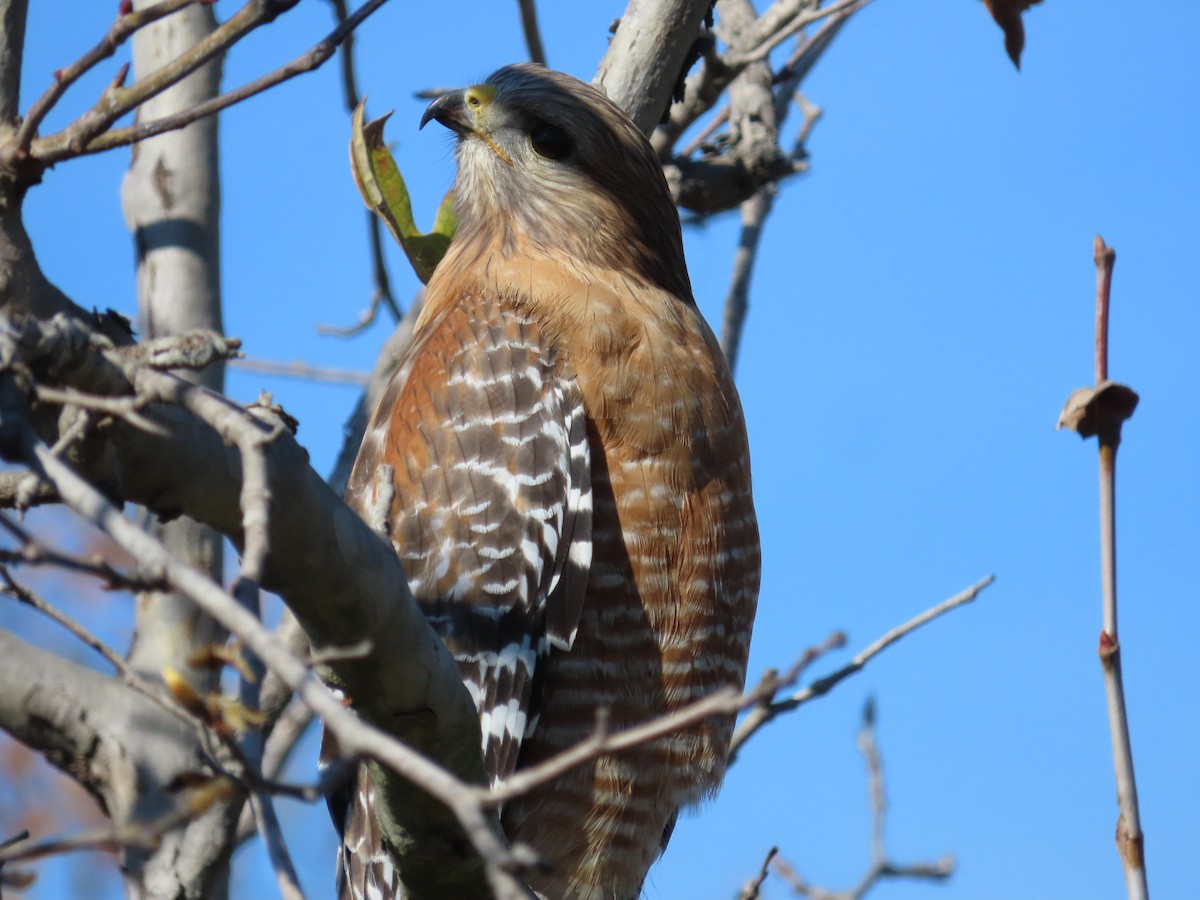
[
  {"x": 450, "y": 110},
  {"x": 466, "y": 113}
]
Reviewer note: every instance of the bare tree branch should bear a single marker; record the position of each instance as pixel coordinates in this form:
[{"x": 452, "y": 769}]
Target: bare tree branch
[
  {"x": 170, "y": 198},
  {"x": 533, "y": 36},
  {"x": 12, "y": 47},
  {"x": 645, "y": 57},
  {"x": 751, "y": 888},
  {"x": 1101, "y": 411},
  {"x": 255, "y": 504},
  {"x": 91, "y": 133},
  {"x": 754, "y": 213},
  {"x": 92, "y": 727},
  {"x": 30, "y": 598},
  {"x": 144, "y": 836},
  {"x": 20, "y": 490},
  {"x": 355, "y": 589},
  {"x": 126, "y": 24},
  {"x": 760, "y": 716},
  {"x": 708, "y": 84},
  {"x": 292, "y": 725},
  {"x": 881, "y": 867},
  {"x": 757, "y": 48},
  {"x": 355, "y": 736},
  {"x": 301, "y": 370},
  {"x": 118, "y": 100}
]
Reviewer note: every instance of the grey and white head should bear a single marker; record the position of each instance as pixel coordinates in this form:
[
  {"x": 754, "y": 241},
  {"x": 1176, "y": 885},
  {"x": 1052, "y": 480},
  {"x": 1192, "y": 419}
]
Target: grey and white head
[{"x": 548, "y": 159}]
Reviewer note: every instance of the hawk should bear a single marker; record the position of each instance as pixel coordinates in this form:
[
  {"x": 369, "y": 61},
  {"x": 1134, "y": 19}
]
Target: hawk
[{"x": 572, "y": 481}]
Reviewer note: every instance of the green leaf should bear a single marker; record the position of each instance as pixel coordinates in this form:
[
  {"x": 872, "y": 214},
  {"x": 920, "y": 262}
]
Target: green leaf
[{"x": 385, "y": 193}]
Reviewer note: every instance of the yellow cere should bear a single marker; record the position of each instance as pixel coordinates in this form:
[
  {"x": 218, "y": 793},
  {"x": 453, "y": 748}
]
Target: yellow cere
[{"x": 476, "y": 99}]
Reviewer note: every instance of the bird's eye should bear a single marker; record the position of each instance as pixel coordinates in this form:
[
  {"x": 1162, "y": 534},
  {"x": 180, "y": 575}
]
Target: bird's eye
[{"x": 549, "y": 141}]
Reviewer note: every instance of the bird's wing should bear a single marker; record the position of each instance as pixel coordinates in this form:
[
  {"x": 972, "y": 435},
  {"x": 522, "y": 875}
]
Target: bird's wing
[{"x": 485, "y": 428}]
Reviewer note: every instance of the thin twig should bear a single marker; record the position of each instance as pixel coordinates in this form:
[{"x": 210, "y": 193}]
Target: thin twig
[
  {"x": 301, "y": 370},
  {"x": 14, "y": 840},
  {"x": 146, "y": 835},
  {"x": 292, "y": 725},
  {"x": 91, "y": 136},
  {"x": 256, "y": 509},
  {"x": 118, "y": 100},
  {"x": 601, "y": 743},
  {"x": 533, "y": 36},
  {"x": 880, "y": 867},
  {"x": 1130, "y": 838},
  {"x": 146, "y": 688},
  {"x": 804, "y": 19},
  {"x": 718, "y": 121},
  {"x": 752, "y": 887},
  {"x": 771, "y": 683},
  {"x": 1106, "y": 258},
  {"x": 720, "y": 702},
  {"x": 754, "y": 213},
  {"x": 809, "y": 50},
  {"x": 122, "y": 29},
  {"x": 869, "y": 748},
  {"x": 371, "y": 313},
  {"x": 331, "y": 776},
  {"x": 126, "y": 408},
  {"x": 277, "y": 851},
  {"x": 821, "y": 686},
  {"x": 35, "y": 553}
]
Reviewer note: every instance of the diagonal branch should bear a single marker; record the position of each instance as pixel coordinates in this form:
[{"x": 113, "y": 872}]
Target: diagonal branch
[
  {"x": 761, "y": 46},
  {"x": 760, "y": 716},
  {"x": 355, "y": 736},
  {"x": 122, "y": 29},
  {"x": 646, "y": 56},
  {"x": 343, "y": 582},
  {"x": 91, "y": 133}
]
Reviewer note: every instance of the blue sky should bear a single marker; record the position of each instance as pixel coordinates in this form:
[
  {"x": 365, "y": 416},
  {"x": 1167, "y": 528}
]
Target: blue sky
[{"x": 921, "y": 308}]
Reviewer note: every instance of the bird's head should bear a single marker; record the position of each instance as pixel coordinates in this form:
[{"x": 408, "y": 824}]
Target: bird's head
[{"x": 548, "y": 160}]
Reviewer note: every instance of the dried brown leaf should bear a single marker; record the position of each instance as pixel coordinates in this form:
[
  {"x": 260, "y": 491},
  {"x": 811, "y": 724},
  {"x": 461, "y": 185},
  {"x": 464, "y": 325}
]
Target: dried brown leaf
[
  {"x": 217, "y": 656},
  {"x": 201, "y": 799},
  {"x": 236, "y": 716},
  {"x": 186, "y": 695},
  {"x": 1007, "y": 14},
  {"x": 224, "y": 715},
  {"x": 1096, "y": 410}
]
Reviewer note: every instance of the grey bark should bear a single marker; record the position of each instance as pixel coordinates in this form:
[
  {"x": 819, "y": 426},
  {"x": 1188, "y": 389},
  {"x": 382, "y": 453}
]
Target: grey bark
[
  {"x": 114, "y": 742},
  {"x": 171, "y": 200},
  {"x": 342, "y": 580},
  {"x": 12, "y": 46},
  {"x": 645, "y": 57}
]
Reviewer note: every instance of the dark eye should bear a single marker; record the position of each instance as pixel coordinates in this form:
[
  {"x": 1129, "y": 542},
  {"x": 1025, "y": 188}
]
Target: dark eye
[{"x": 549, "y": 141}]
